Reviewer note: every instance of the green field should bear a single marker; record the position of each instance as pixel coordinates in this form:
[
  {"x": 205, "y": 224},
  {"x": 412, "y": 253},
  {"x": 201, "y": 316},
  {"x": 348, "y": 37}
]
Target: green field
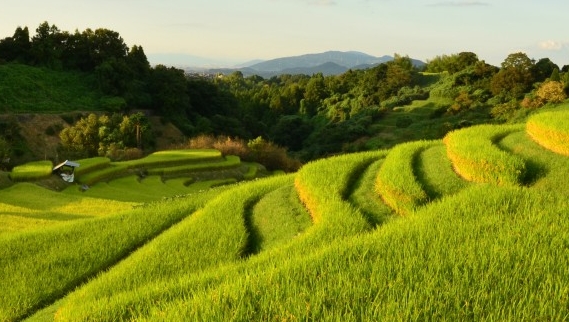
[{"x": 473, "y": 227}]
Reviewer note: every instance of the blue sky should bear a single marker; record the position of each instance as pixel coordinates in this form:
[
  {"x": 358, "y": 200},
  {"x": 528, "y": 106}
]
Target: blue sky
[{"x": 234, "y": 31}]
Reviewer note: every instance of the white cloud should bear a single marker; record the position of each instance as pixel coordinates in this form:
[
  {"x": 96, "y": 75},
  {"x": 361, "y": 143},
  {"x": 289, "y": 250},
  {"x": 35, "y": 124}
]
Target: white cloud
[{"x": 551, "y": 45}]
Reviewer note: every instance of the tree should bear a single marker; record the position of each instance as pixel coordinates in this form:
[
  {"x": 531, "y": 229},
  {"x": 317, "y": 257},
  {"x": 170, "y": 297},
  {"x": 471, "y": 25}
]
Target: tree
[
  {"x": 83, "y": 136},
  {"x": 397, "y": 77},
  {"x": 451, "y": 64},
  {"x": 290, "y": 131},
  {"x": 519, "y": 61},
  {"x": 133, "y": 129},
  {"x": 168, "y": 88},
  {"x": 47, "y": 45},
  {"x": 112, "y": 77},
  {"x": 514, "y": 78},
  {"x": 17, "y": 47},
  {"x": 98, "y": 135},
  {"x": 555, "y": 75},
  {"x": 315, "y": 92},
  {"x": 137, "y": 62},
  {"x": 543, "y": 69},
  {"x": 466, "y": 59}
]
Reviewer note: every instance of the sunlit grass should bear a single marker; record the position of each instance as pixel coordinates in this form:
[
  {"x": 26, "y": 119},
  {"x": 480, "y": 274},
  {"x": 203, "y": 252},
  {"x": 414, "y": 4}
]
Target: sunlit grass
[
  {"x": 110, "y": 172},
  {"x": 163, "y": 162},
  {"x": 396, "y": 181},
  {"x": 91, "y": 164},
  {"x": 551, "y": 130},
  {"x": 50, "y": 206},
  {"x": 32, "y": 171},
  {"x": 547, "y": 170},
  {"x": 215, "y": 235},
  {"x": 461, "y": 258},
  {"x": 279, "y": 217},
  {"x": 249, "y": 252},
  {"x": 434, "y": 170},
  {"x": 38, "y": 267},
  {"x": 229, "y": 161},
  {"x": 173, "y": 157},
  {"x": 475, "y": 156}
]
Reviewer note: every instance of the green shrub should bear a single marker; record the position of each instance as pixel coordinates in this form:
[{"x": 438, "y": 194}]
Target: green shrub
[
  {"x": 258, "y": 150},
  {"x": 403, "y": 121},
  {"x": 505, "y": 111},
  {"x": 271, "y": 156}
]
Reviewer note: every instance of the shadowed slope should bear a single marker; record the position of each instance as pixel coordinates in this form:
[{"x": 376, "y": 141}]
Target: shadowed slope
[
  {"x": 366, "y": 199},
  {"x": 396, "y": 181},
  {"x": 434, "y": 170}
]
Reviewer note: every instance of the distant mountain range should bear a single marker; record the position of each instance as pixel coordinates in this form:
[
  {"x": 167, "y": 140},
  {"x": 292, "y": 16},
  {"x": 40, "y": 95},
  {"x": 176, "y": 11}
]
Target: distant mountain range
[{"x": 327, "y": 63}]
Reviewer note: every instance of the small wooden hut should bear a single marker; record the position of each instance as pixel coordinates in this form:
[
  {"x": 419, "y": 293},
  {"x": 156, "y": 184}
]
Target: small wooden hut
[{"x": 66, "y": 170}]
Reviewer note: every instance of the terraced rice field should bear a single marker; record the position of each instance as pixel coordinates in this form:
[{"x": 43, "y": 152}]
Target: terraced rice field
[{"x": 472, "y": 227}]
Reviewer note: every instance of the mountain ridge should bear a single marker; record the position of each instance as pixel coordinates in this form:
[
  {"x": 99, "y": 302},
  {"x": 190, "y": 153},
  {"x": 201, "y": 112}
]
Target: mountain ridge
[{"x": 327, "y": 63}]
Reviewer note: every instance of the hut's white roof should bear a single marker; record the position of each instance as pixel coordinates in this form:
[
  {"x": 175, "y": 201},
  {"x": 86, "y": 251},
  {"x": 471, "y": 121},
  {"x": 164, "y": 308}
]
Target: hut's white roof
[{"x": 66, "y": 163}]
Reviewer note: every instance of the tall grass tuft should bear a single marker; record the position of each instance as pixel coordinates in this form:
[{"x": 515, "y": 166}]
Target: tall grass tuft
[{"x": 475, "y": 156}]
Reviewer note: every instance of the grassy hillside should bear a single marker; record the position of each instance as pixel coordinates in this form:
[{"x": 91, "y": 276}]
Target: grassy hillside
[
  {"x": 26, "y": 89},
  {"x": 400, "y": 234}
]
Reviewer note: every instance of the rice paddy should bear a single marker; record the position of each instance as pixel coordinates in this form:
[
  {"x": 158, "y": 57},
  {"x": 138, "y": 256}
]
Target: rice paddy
[{"x": 470, "y": 228}]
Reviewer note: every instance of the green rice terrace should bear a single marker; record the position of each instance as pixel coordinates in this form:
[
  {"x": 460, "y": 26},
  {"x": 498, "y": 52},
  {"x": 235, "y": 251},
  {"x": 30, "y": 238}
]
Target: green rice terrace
[{"x": 473, "y": 227}]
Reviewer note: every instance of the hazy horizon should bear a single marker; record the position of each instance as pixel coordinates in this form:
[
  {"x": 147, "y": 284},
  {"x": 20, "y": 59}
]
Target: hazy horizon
[{"x": 224, "y": 32}]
